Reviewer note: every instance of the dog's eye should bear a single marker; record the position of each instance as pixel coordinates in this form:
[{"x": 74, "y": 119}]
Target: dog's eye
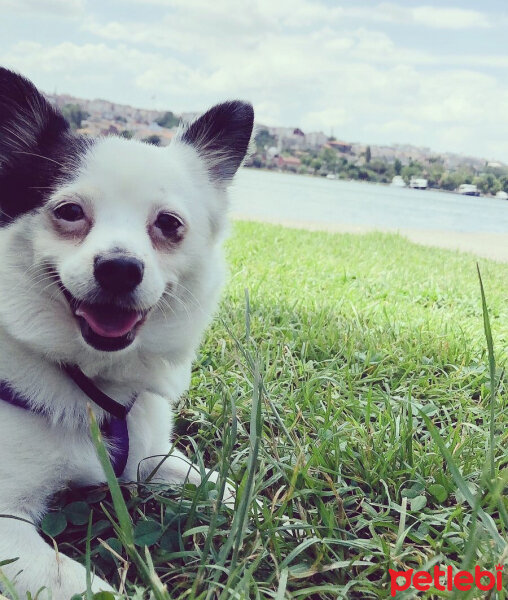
[
  {"x": 69, "y": 212},
  {"x": 171, "y": 226}
]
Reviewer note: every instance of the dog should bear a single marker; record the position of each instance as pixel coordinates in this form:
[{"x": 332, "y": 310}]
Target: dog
[{"x": 111, "y": 270}]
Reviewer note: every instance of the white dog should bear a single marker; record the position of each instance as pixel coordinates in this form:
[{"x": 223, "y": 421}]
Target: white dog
[{"x": 111, "y": 268}]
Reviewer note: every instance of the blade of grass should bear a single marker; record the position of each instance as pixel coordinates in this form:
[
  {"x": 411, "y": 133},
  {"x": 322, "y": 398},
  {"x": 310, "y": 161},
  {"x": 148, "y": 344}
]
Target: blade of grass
[
  {"x": 8, "y": 587},
  {"x": 283, "y": 581},
  {"x": 462, "y": 485},
  {"x": 247, "y": 315},
  {"x": 254, "y": 438},
  {"x": 88, "y": 560},
  {"x": 122, "y": 513},
  {"x": 228, "y": 449},
  {"x": 492, "y": 369},
  {"x": 125, "y": 529},
  {"x": 240, "y": 519}
]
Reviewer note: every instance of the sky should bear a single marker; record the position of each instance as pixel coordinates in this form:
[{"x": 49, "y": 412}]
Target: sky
[{"x": 430, "y": 73}]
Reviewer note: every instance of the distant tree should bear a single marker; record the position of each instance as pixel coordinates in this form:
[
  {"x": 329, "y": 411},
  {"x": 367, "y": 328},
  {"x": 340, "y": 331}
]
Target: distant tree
[
  {"x": 464, "y": 176},
  {"x": 316, "y": 164},
  {"x": 120, "y": 119},
  {"x": 397, "y": 166},
  {"x": 492, "y": 183},
  {"x": 450, "y": 181},
  {"x": 413, "y": 169},
  {"x": 497, "y": 170},
  {"x": 487, "y": 183},
  {"x": 152, "y": 139},
  {"x": 434, "y": 174},
  {"x": 265, "y": 140},
  {"x": 503, "y": 182},
  {"x": 168, "y": 120},
  {"x": 329, "y": 158},
  {"x": 378, "y": 166},
  {"x": 127, "y": 134},
  {"x": 368, "y": 154},
  {"x": 74, "y": 115},
  {"x": 496, "y": 187}
]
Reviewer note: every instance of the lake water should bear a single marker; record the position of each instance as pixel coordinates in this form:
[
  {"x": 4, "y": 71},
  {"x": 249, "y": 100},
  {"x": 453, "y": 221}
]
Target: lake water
[{"x": 284, "y": 197}]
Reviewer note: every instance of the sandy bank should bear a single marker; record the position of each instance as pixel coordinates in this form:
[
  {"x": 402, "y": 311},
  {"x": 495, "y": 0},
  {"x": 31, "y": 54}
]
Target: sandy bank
[{"x": 486, "y": 245}]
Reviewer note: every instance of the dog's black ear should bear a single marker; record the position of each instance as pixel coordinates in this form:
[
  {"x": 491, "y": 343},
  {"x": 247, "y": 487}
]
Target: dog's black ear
[
  {"x": 27, "y": 121},
  {"x": 35, "y": 142},
  {"x": 221, "y": 136}
]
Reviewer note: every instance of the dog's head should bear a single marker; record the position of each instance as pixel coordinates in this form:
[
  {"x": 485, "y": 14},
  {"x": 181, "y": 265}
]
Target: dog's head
[{"x": 110, "y": 246}]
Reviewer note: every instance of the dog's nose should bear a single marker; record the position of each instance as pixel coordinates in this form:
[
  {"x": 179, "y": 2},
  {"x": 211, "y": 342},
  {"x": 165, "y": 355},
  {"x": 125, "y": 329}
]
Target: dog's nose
[{"x": 120, "y": 274}]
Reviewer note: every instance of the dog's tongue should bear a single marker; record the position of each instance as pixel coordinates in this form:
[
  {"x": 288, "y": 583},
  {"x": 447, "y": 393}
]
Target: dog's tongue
[{"x": 108, "y": 321}]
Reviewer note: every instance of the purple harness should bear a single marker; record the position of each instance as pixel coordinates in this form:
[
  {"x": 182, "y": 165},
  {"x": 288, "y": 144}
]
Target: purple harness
[{"x": 115, "y": 429}]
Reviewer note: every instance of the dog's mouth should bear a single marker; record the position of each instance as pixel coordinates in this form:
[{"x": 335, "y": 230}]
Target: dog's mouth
[{"x": 105, "y": 326}]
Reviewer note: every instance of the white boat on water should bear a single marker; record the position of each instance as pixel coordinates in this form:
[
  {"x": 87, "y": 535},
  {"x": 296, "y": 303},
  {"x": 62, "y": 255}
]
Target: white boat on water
[
  {"x": 331, "y": 176},
  {"x": 501, "y": 195},
  {"x": 398, "y": 181},
  {"x": 468, "y": 189},
  {"x": 418, "y": 183}
]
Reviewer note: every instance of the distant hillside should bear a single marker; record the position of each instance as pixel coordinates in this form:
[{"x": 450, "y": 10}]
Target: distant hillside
[{"x": 291, "y": 149}]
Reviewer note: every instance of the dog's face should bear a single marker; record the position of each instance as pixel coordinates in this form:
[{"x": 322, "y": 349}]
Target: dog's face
[{"x": 110, "y": 246}]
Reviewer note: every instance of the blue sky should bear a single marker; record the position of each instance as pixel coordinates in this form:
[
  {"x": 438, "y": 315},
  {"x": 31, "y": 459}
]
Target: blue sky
[{"x": 428, "y": 73}]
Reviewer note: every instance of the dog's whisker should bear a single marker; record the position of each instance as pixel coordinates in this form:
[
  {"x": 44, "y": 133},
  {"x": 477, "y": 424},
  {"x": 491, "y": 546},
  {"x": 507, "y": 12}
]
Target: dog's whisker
[
  {"x": 40, "y": 156},
  {"x": 187, "y": 291},
  {"x": 161, "y": 303},
  {"x": 159, "y": 307},
  {"x": 38, "y": 283},
  {"x": 180, "y": 301}
]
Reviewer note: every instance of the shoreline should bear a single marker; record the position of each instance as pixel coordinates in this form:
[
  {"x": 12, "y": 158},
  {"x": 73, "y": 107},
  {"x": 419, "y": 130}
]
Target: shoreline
[
  {"x": 368, "y": 182},
  {"x": 493, "y": 246}
]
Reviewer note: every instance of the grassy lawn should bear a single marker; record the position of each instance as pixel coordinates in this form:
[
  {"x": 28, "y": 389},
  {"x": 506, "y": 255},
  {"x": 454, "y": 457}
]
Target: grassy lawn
[{"x": 321, "y": 398}]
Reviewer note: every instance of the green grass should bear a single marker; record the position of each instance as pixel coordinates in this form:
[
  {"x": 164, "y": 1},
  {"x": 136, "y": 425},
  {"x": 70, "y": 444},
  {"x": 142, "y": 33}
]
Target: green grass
[{"x": 350, "y": 400}]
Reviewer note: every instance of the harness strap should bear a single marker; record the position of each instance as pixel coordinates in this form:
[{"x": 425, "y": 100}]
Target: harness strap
[
  {"x": 89, "y": 388},
  {"x": 114, "y": 429}
]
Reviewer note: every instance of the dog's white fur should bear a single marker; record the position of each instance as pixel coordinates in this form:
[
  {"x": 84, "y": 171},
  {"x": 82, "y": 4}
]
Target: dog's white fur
[{"x": 122, "y": 183}]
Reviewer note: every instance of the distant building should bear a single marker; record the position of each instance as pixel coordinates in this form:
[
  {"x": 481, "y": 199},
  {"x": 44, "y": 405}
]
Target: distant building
[
  {"x": 315, "y": 140},
  {"x": 288, "y": 162},
  {"x": 290, "y": 138},
  {"x": 344, "y": 147}
]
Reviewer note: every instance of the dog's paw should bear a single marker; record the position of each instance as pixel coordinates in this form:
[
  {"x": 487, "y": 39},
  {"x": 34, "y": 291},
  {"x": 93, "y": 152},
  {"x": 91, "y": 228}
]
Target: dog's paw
[
  {"x": 63, "y": 579},
  {"x": 71, "y": 586},
  {"x": 99, "y": 585}
]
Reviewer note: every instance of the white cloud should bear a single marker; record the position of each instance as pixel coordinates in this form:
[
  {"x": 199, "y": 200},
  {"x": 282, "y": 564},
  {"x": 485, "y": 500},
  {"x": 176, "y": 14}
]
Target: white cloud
[
  {"x": 437, "y": 17},
  {"x": 63, "y": 8},
  {"x": 314, "y": 70},
  {"x": 89, "y": 70},
  {"x": 448, "y": 18},
  {"x": 304, "y": 12}
]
